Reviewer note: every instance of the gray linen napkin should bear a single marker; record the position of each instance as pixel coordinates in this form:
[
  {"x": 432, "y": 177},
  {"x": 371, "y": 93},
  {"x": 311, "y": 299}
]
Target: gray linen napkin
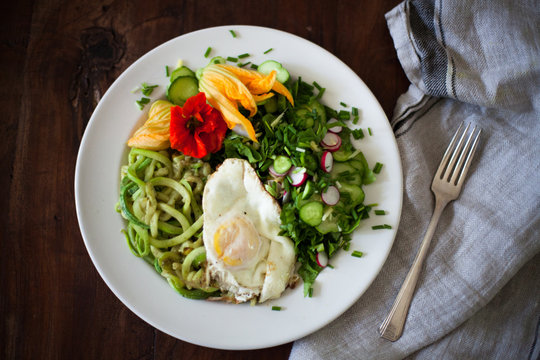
[{"x": 478, "y": 295}]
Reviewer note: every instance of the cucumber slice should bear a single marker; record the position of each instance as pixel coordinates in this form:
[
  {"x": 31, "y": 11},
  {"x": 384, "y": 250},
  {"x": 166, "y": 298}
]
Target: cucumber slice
[
  {"x": 311, "y": 213},
  {"x": 342, "y": 155},
  {"x": 304, "y": 114},
  {"x": 345, "y": 172},
  {"x": 217, "y": 60},
  {"x": 328, "y": 225},
  {"x": 319, "y": 108},
  {"x": 213, "y": 61},
  {"x": 282, "y": 164},
  {"x": 181, "y": 89},
  {"x": 266, "y": 68},
  {"x": 357, "y": 165},
  {"x": 309, "y": 189},
  {"x": 181, "y": 71},
  {"x": 306, "y": 121},
  {"x": 355, "y": 192},
  {"x": 367, "y": 174}
]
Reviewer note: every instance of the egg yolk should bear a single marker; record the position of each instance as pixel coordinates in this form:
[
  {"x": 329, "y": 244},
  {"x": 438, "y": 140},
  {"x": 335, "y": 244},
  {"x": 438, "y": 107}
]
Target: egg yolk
[{"x": 236, "y": 242}]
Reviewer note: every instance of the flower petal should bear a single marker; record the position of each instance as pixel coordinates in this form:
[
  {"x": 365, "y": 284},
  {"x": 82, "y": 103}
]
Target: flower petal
[
  {"x": 259, "y": 98},
  {"x": 247, "y": 76},
  {"x": 228, "y": 109},
  {"x": 256, "y": 82},
  {"x": 154, "y": 134},
  {"x": 181, "y": 137},
  {"x": 231, "y": 86}
]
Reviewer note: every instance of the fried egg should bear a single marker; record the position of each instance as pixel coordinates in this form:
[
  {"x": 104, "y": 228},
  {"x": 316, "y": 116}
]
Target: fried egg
[{"x": 246, "y": 256}]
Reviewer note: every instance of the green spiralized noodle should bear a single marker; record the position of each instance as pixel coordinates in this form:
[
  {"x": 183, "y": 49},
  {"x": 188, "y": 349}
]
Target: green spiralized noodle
[
  {"x": 186, "y": 265},
  {"x": 178, "y": 187},
  {"x": 182, "y": 219},
  {"x": 161, "y": 198}
]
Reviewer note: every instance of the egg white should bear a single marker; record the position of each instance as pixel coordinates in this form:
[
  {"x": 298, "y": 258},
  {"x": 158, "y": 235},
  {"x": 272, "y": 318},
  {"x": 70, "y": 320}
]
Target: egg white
[{"x": 245, "y": 254}]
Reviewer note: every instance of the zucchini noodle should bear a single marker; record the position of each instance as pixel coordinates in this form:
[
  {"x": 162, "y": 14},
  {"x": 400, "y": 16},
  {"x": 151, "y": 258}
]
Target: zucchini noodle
[{"x": 160, "y": 197}]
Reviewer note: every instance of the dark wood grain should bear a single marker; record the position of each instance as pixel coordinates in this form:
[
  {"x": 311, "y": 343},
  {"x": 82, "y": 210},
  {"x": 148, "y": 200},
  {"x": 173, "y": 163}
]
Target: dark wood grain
[{"x": 57, "y": 60}]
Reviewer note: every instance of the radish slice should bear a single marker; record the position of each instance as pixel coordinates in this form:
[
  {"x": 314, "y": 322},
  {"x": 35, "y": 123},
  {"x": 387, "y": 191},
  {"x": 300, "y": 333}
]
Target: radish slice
[
  {"x": 334, "y": 129},
  {"x": 322, "y": 259},
  {"x": 331, "y": 141},
  {"x": 330, "y": 196},
  {"x": 298, "y": 176},
  {"x": 286, "y": 196},
  {"x": 273, "y": 172},
  {"x": 327, "y": 161}
]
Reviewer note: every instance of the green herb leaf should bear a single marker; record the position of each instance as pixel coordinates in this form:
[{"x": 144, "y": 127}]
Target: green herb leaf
[
  {"x": 147, "y": 89},
  {"x": 142, "y": 102}
]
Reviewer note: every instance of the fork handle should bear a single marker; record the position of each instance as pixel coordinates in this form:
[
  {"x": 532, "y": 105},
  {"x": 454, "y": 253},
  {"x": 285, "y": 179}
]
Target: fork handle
[{"x": 392, "y": 327}]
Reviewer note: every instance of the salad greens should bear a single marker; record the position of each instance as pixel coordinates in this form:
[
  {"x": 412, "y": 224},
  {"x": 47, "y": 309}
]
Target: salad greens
[
  {"x": 295, "y": 133},
  {"x": 305, "y": 158}
]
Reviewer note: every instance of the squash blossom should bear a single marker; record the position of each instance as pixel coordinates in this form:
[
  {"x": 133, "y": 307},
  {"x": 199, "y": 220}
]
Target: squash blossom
[{"x": 227, "y": 86}]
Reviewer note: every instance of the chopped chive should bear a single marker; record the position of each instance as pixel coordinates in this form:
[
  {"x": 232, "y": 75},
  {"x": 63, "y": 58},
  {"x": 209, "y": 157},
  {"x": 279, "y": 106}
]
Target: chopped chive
[
  {"x": 377, "y": 168},
  {"x": 317, "y": 86},
  {"x": 147, "y": 89},
  {"x": 344, "y": 115},
  {"x": 267, "y": 51},
  {"x": 241, "y": 56},
  {"x": 310, "y": 292},
  {"x": 276, "y": 308},
  {"x": 232, "y": 59},
  {"x": 167, "y": 71},
  {"x": 244, "y": 64},
  {"x": 355, "y": 111},
  {"x": 355, "y": 119},
  {"x": 358, "y": 134},
  {"x": 372, "y": 205},
  {"x": 330, "y": 266},
  {"x": 320, "y": 94},
  {"x": 369, "y": 131},
  {"x": 343, "y": 104},
  {"x": 357, "y": 253},
  {"x": 143, "y": 101},
  {"x": 207, "y": 52},
  {"x": 254, "y": 66},
  {"x": 380, "y": 212},
  {"x": 232, "y": 33},
  {"x": 347, "y": 246},
  {"x": 380, "y": 227}
]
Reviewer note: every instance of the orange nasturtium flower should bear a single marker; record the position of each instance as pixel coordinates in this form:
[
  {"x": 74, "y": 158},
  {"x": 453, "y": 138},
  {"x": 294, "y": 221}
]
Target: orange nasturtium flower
[{"x": 227, "y": 86}]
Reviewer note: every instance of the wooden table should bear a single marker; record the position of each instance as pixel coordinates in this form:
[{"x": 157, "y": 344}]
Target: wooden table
[{"x": 57, "y": 60}]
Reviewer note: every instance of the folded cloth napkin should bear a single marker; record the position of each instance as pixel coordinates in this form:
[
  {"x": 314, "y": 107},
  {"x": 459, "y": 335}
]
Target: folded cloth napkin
[{"x": 478, "y": 294}]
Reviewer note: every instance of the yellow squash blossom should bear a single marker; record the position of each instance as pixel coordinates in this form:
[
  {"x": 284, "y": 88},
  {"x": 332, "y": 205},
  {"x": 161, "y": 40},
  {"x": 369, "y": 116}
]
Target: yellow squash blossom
[
  {"x": 154, "y": 134},
  {"x": 227, "y": 86}
]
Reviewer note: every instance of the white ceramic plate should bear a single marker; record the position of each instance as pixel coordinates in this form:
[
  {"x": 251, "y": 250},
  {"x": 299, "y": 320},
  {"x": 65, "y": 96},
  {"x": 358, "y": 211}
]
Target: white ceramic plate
[{"x": 214, "y": 324}]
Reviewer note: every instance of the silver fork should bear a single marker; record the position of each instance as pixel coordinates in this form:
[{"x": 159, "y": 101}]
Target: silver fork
[{"x": 446, "y": 187}]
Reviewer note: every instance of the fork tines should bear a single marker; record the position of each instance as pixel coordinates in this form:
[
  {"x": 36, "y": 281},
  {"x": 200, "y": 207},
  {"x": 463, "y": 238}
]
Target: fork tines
[{"x": 460, "y": 150}]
